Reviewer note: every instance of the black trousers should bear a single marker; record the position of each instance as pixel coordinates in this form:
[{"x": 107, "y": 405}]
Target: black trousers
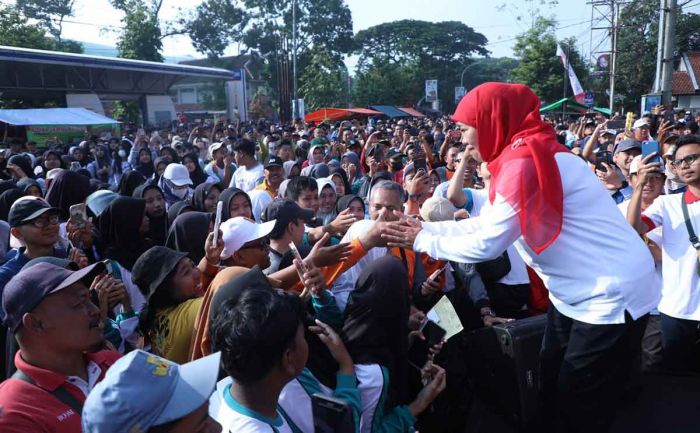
[
  {"x": 584, "y": 371},
  {"x": 680, "y": 341},
  {"x": 509, "y": 301}
]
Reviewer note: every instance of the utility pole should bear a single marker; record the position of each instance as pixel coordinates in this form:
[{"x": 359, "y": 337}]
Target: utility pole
[
  {"x": 295, "y": 104},
  {"x": 660, "y": 47},
  {"x": 669, "y": 52},
  {"x": 615, "y": 8}
]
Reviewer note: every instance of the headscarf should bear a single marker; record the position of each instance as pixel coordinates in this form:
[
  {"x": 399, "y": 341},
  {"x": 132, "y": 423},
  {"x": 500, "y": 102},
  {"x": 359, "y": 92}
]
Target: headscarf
[
  {"x": 188, "y": 233},
  {"x": 317, "y": 170},
  {"x": 157, "y": 227},
  {"x": 158, "y": 161},
  {"x": 147, "y": 169},
  {"x": 57, "y": 155},
  {"x": 344, "y": 202},
  {"x": 68, "y": 188},
  {"x": 520, "y": 149},
  {"x": 106, "y": 160},
  {"x": 354, "y": 159},
  {"x": 259, "y": 201},
  {"x": 288, "y": 166},
  {"x": 198, "y": 176},
  {"x": 178, "y": 209},
  {"x": 327, "y": 218},
  {"x": 119, "y": 231},
  {"x": 23, "y": 162},
  {"x": 7, "y": 185},
  {"x": 27, "y": 182},
  {"x": 200, "y": 194},
  {"x": 201, "y": 345},
  {"x": 98, "y": 201},
  {"x": 226, "y": 196},
  {"x": 167, "y": 186},
  {"x": 129, "y": 182},
  {"x": 7, "y": 199},
  {"x": 340, "y": 172}
]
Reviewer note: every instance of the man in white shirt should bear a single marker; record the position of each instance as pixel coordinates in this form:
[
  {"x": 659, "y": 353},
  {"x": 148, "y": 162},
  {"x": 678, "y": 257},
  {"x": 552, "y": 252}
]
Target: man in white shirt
[
  {"x": 250, "y": 172},
  {"x": 547, "y": 202},
  {"x": 680, "y": 296}
]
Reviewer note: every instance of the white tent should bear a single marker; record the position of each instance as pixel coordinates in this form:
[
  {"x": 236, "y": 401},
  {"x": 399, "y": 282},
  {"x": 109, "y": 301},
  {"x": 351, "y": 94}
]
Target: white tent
[{"x": 53, "y": 116}]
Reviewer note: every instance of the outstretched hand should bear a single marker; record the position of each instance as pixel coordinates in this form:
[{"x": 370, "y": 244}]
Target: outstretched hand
[{"x": 401, "y": 233}]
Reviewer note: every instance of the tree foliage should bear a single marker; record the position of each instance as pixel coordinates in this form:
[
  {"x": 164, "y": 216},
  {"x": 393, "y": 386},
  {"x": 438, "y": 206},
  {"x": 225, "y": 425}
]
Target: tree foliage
[
  {"x": 385, "y": 82},
  {"x": 50, "y": 13},
  {"x": 141, "y": 37},
  {"x": 419, "y": 51},
  {"x": 17, "y": 31},
  {"x": 539, "y": 67},
  {"x": 324, "y": 82}
]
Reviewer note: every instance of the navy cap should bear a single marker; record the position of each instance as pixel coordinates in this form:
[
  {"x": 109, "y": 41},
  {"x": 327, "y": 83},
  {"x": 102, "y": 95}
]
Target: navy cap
[
  {"x": 284, "y": 211},
  {"x": 626, "y": 145},
  {"x": 27, "y": 209},
  {"x": 274, "y": 161},
  {"x": 29, "y": 287},
  {"x": 142, "y": 390}
]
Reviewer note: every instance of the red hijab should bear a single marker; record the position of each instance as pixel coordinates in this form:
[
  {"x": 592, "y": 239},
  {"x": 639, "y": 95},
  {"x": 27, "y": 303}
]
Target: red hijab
[{"x": 520, "y": 149}]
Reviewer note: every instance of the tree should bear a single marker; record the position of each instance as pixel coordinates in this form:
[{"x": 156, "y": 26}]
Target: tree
[
  {"x": 384, "y": 82},
  {"x": 214, "y": 25},
  {"x": 324, "y": 82},
  {"x": 142, "y": 37},
  {"x": 434, "y": 50},
  {"x": 50, "y": 13},
  {"x": 17, "y": 31},
  {"x": 539, "y": 66}
]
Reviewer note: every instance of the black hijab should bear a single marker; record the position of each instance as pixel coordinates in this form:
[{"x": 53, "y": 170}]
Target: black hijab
[
  {"x": 226, "y": 196},
  {"x": 23, "y": 162},
  {"x": 344, "y": 202},
  {"x": 198, "y": 176},
  {"x": 200, "y": 195},
  {"x": 7, "y": 185},
  {"x": 7, "y": 199},
  {"x": 68, "y": 188},
  {"x": 27, "y": 182},
  {"x": 55, "y": 153},
  {"x": 119, "y": 231},
  {"x": 340, "y": 172},
  {"x": 160, "y": 160},
  {"x": 157, "y": 227},
  {"x": 128, "y": 183},
  {"x": 188, "y": 233},
  {"x": 177, "y": 209},
  {"x": 147, "y": 169}
]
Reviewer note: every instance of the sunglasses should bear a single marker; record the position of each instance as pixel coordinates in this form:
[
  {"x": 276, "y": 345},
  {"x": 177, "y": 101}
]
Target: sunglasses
[{"x": 260, "y": 244}]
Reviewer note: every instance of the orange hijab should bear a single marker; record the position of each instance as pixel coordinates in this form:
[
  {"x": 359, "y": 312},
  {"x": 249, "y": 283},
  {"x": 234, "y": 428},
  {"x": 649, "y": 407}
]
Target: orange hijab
[{"x": 520, "y": 149}]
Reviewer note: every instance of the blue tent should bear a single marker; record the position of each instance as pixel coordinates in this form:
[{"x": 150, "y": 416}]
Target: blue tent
[{"x": 389, "y": 110}]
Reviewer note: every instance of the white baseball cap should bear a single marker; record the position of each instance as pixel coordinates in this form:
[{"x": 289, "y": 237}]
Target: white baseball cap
[
  {"x": 239, "y": 231},
  {"x": 640, "y": 123},
  {"x": 214, "y": 147},
  {"x": 177, "y": 174},
  {"x": 634, "y": 165}
]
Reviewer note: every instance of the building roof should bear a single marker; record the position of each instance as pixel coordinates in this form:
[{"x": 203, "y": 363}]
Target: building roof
[
  {"x": 53, "y": 116},
  {"x": 28, "y": 55},
  {"x": 686, "y": 79}
]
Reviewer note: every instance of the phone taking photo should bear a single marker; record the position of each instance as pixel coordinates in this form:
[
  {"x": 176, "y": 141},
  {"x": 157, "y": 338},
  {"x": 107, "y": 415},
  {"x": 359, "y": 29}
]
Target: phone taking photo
[
  {"x": 420, "y": 164},
  {"x": 649, "y": 147},
  {"x": 217, "y": 221},
  {"x": 331, "y": 415}
]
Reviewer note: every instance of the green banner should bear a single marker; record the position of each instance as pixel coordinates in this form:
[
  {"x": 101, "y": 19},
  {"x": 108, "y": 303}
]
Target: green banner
[{"x": 47, "y": 135}]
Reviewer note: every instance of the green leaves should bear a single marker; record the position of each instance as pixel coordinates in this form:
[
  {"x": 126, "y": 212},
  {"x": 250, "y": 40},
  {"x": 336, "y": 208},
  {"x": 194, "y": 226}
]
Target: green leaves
[
  {"x": 324, "y": 82},
  {"x": 141, "y": 36}
]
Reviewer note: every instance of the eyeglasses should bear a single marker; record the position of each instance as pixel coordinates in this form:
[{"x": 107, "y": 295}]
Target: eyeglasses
[
  {"x": 41, "y": 223},
  {"x": 688, "y": 160},
  {"x": 260, "y": 244}
]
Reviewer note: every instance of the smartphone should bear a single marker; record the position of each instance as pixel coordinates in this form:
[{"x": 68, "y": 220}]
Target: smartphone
[
  {"x": 617, "y": 125},
  {"x": 108, "y": 266},
  {"x": 331, "y": 415},
  {"x": 649, "y": 147},
  {"x": 420, "y": 164},
  {"x": 441, "y": 271},
  {"x": 217, "y": 221},
  {"x": 75, "y": 166},
  {"x": 295, "y": 252},
  {"x": 419, "y": 349},
  {"x": 378, "y": 152},
  {"x": 78, "y": 215}
]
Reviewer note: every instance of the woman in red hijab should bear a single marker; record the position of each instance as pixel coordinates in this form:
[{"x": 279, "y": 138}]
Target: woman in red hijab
[{"x": 564, "y": 225}]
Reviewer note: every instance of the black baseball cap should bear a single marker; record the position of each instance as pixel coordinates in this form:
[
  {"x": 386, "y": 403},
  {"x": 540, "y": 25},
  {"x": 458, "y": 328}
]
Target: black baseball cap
[
  {"x": 26, "y": 210},
  {"x": 29, "y": 287},
  {"x": 284, "y": 211},
  {"x": 626, "y": 145},
  {"x": 274, "y": 161}
]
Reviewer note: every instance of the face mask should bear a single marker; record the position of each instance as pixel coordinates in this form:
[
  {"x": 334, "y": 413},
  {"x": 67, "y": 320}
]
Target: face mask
[
  {"x": 180, "y": 193},
  {"x": 122, "y": 153}
]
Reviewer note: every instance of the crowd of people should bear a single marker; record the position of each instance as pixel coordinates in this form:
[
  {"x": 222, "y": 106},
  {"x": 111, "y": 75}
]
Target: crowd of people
[{"x": 124, "y": 309}]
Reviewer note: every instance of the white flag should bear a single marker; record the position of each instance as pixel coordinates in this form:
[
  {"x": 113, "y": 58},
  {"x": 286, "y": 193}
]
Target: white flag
[{"x": 579, "y": 94}]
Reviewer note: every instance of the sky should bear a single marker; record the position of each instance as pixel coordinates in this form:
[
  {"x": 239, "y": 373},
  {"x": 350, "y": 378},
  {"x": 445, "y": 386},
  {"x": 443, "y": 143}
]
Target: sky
[{"x": 97, "y": 22}]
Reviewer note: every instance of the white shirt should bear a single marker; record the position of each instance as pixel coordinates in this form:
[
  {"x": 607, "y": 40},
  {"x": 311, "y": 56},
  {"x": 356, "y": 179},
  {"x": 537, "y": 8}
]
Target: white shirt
[
  {"x": 518, "y": 271},
  {"x": 237, "y": 418},
  {"x": 592, "y": 276},
  {"x": 93, "y": 373},
  {"x": 680, "y": 295},
  {"x": 247, "y": 179}
]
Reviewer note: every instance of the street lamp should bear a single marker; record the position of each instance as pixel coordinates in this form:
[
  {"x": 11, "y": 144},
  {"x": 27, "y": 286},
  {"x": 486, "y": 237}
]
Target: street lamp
[{"x": 461, "y": 79}]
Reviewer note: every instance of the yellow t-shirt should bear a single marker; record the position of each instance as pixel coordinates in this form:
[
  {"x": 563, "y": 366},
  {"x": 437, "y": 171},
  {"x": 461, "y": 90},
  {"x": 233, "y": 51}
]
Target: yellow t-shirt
[{"x": 173, "y": 330}]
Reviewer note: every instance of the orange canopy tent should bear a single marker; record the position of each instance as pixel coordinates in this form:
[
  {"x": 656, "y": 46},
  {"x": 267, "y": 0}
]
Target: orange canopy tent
[
  {"x": 411, "y": 112},
  {"x": 338, "y": 113}
]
